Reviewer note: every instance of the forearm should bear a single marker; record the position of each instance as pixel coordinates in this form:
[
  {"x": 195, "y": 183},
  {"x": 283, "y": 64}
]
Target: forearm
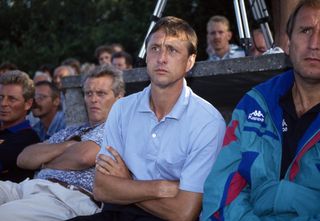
[
  {"x": 185, "y": 206},
  {"x": 79, "y": 156},
  {"x": 112, "y": 189},
  {"x": 34, "y": 156}
]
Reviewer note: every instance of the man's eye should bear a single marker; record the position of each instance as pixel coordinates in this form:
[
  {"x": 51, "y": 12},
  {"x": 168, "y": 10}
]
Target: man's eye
[
  {"x": 172, "y": 50},
  {"x": 88, "y": 93},
  {"x": 12, "y": 99},
  {"x": 306, "y": 30},
  {"x": 101, "y": 93},
  {"x": 154, "y": 48}
]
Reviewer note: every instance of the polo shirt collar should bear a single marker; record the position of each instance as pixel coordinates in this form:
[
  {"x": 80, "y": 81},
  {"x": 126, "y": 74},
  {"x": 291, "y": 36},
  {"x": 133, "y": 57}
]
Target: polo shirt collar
[
  {"x": 21, "y": 126},
  {"x": 177, "y": 109}
]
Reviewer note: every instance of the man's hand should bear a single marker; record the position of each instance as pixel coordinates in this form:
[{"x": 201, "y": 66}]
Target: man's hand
[{"x": 115, "y": 167}]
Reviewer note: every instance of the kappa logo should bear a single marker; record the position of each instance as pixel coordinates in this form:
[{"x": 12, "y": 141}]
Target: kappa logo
[
  {"x": 256, "y": 116},
  {"x": 284, "y": 126}
]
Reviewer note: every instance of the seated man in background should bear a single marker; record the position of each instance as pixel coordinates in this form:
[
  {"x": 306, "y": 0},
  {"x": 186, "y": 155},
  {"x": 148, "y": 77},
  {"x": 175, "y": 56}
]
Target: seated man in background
[
  {"x": 62, "y": 188},
  {"x": 258, "y": 46},
  {"x": 59, "y": 73},
  {"x": 73, "y": 63},
  {"x": 7, "y": 66},
  {"x": 16, "y": 97},
  {"x": 122, "y": 60},
  {"x": 218, "y": 40},
  {"x": 103, "y": 54},
  {"x": 47, "y": 108},
  {"x": 41, "y": 76},
  {"x": 269, "y": 167},
  {"x": 159, "y": 144}
]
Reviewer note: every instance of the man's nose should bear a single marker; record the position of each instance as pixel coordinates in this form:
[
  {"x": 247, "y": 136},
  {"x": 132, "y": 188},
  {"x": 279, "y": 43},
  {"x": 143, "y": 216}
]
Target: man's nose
[
  {"x": 163, "y": 56},
  {"x": 94, "y": 97},
  {"x": 314, "y": 42},
  {"x": 4, "y": 101}
]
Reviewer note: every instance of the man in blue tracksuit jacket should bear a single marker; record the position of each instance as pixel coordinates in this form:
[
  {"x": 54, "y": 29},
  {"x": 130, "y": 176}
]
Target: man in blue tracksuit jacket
[{"x": 269, "y": 166}]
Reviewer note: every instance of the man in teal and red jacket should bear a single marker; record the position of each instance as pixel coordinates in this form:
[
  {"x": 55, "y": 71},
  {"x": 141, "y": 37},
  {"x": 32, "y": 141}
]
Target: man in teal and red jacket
[{"x": 269, "y": 166}]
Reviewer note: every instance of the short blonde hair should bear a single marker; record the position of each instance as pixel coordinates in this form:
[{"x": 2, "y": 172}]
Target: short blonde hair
[
  {"x": 19, "y": 78},
  {"x": 219, "y": 18}
]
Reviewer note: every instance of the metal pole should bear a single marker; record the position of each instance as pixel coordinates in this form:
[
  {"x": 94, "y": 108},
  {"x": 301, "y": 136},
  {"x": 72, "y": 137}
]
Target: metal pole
[
  {"x": 244, "y": 19},
  {"x": 238, "y": 17},
  {"x": 261, "y": 15},
  {"x": 157, "y": 13},
  {"x": 243, "y": 27}
]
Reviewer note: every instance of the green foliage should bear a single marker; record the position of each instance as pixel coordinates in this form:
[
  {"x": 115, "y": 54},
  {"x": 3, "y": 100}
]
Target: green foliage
[{"x": 35, "y": 32}]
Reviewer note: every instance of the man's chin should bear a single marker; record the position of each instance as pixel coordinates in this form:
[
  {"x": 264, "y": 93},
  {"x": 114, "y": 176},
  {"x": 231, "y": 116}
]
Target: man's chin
[{"x": 36, "y": 114}]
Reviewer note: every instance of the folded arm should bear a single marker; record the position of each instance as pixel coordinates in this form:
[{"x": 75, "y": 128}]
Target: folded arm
[
  {"x": 184, "y": 206},
  {"x": 162, "y": 198},
  {"x": 113, "y": 183},
  {"x": 159, "y": 197},
  {"x": 78, "y": 156},
  {"x": 34, "y": 156}
]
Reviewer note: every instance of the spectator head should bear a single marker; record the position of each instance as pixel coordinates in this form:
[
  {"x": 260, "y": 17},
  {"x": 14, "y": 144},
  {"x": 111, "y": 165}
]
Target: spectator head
[
  {"x": 121, "y": 60},
  {"x": 259, "y": 45},
  {"x": 218, "y": 35},
  {"x": 102, "y": 87},
  {"x": 41, "y": 76},
  {"x": 103, "y": 54},
  {"x": 46, "y": 100},
  {"x": 116, "y": 47},
  {"x": 87, "y": 67},
  {"x": 304, "y": 42},
  {"x": 61, "y": 72},
  {"x": 74, "y": 63},
  {"x": 176, "y": 27},
  {"x": 16, "y": 97},
  {"x": 7, "y": 66},
  {"x": 292, "y": 18},
  {"x": 47, "y": 68}
]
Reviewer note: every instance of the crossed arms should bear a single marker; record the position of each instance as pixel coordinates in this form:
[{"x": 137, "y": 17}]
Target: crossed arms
[
  {"x": 68, "y": 155},
  {"x": 162, "y": 198}
]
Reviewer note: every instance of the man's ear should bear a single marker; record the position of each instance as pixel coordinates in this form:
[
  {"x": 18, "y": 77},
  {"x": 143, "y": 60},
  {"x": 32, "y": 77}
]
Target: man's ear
[
  {"x": 191, "y": 61},
  {"x": 287, "y": 47},
  {"x": 28, "y": 104},
  {"x": 120, "y": 96},
  {"x": 56, "y": 101},
  {"x": 229, "y": 35}
]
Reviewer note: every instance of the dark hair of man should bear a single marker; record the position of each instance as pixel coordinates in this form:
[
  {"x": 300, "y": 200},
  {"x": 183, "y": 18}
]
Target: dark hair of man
[
  {"x": 101, "y": 49},
  {"x": 54, "y": 90},
  {"x": 176, "y": 27},
  {"x": 118, "y": 85},
  {"x": 292, "y": 18},
  {"x": 49, "y": 68},
  {"x": 17, "y": 77},
  {"x": 123, "y": 54},
  {"x": 8, "y": 66}
]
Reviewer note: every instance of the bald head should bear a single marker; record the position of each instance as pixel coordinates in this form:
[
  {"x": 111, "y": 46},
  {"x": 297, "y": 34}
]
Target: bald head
[{"x": 61, "y": 72}]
